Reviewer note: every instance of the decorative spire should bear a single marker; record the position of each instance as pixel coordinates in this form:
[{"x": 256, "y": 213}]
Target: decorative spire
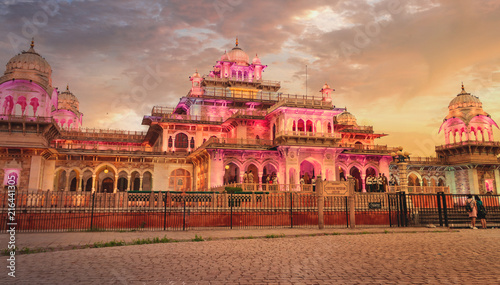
[
  {"x": 463, "y": 89},
  {"x": 32, "y": 42},
  {"x": 236, "y": 41},
  {"x": 67, "y": 87}
]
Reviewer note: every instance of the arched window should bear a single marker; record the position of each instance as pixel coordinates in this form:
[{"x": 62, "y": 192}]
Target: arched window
[
  {"x": 191, "y": 144},
  {"x": 180, "y": 180},
  {"x": 181, "y": 140}
]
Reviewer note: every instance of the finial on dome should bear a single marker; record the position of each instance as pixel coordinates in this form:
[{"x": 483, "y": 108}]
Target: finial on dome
[
  {"x": 67, "y": 87},
  {"x": 32, "y": 42},
  {"x": 463, "y": 89},
  {"x": 236, "y": 41}
]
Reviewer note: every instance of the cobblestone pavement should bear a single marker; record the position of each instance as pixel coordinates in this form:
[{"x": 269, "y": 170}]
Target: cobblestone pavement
[{"x": 453, "y": 257}]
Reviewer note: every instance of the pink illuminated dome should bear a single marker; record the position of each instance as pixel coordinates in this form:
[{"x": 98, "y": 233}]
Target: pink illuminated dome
[{"x": 238, "y": 56}]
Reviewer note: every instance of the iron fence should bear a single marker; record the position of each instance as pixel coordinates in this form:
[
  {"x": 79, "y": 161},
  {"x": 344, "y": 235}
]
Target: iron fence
[{"x": 140, "y": 210}]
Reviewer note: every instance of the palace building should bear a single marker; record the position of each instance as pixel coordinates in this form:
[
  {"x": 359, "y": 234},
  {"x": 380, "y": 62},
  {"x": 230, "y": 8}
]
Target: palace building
[{"x": 233, "y": 126}]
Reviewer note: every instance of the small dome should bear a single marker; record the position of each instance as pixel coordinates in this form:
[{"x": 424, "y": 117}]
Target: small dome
[
  {"x": 196, "y": 75},
  {"x": 465, "y": 99},
  {"x": 224, "y": 57},
  {"x": 67, "y": 101},
  {"x": 256, "y": 60},
  {"x": 346, "y": 118},
  {"x": 326, "y": 86},
  {"x": 29, "y": 60},
  {"x": 67, "y": 95}
]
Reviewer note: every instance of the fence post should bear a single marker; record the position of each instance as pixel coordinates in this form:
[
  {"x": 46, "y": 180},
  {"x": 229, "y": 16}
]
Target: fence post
[
  {"x": 403, "y": 213},
  {"x": 440, "y": 212},
  {"x": 92, "y": 212},
  {"x": 321, "y": 202},
  {"x": 231, "y": 202},
  {"x": 291, "y": 210},
  {"x": 165, "y": 211},
  {"x": 184, "y": 212},
  {"x": 351, "y": 201},
  {"x": 389, "y": 204},
  {"x": 445, "y": 208}
]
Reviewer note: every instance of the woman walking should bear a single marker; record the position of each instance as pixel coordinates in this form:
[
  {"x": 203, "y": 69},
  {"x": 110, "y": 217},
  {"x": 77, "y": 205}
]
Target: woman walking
[
  {"x": 481, "y": 211},
  {"x": 471, "y": 208}
]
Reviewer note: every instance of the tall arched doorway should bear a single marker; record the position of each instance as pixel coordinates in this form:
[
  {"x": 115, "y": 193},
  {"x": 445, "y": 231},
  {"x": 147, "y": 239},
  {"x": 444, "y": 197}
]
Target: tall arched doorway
[
  {"x": 180, "y": 180},
  {"x": 107, "y": 185},
  {"x": 354, "y": 172}
]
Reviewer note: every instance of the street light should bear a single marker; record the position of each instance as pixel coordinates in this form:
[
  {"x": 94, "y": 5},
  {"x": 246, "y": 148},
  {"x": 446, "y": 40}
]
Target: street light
[{"x": 106, "y": 170}]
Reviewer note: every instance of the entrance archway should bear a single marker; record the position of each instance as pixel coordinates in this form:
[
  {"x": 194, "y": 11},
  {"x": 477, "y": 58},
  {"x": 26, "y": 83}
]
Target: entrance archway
[
  {"x": 255, "y": 172},
  {"x": 354, "y": 172},
  {"x": 232, "y": 174},
  {"x": 107, "y": 185},
  {"x": 309, "y": 169}
]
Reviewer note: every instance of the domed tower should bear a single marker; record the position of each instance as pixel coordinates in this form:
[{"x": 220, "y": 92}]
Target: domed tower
[
  {"x": 67, "y": 115},
  {"x": 27, "y": 99},
  {"x": 325, "y": 92},
  {"x": 26, "y": 86},
  {"x": 196, "y": 89},
  {"x": 468, "y": 132},
  {"x": 467, "y": 121}
]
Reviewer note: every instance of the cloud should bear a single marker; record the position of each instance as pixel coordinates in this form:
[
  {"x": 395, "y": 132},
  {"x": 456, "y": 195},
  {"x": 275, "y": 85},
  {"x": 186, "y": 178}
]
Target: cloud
[{"x": 394, "y": 64}]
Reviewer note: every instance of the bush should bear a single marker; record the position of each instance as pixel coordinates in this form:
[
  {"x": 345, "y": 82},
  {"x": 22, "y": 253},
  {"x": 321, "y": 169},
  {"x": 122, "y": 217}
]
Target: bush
[{"x": 233, "y": 189}]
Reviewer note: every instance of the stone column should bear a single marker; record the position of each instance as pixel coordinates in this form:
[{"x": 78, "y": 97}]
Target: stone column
[
  {"x": 473, "y": 181},
  {"x": 363, "y": 181},
  {"x": 129, "y": 180},
  {"x": 94, "y": 188},
  {"x": 403, "y": 176},
  {"x": 321, "y": 201},
  {"x": 115, "y": 184},
  {"x": 497, "y": 181},
  {"x": 67, "y": 181},
  {"x": 140, "y": 183}
]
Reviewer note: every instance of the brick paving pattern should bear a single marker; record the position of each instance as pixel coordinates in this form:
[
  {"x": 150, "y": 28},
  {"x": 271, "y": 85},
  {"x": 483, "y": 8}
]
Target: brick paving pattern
[{"x": 454, "y": 257}]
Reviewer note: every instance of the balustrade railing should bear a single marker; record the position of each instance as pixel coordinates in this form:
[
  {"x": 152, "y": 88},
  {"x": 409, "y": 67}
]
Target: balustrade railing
[
  {"x": 469, "y": 142},
  {"x": 421, "y": 189},
  {"x": 309, "y": 134}
]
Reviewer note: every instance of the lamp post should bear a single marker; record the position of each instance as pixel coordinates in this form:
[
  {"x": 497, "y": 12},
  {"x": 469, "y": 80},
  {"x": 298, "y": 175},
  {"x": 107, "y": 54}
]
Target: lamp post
[{"x": 401, "y": 158}]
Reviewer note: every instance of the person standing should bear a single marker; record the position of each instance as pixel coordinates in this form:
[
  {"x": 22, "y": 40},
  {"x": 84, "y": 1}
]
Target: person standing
[
  {"x": 313, "y": 182},
  {"x": 380, "y": 182},
  {"x": 369, "y": 183},
  {"x": 384, "y": 183},
  {"x": 481, "y": 211},
  {"x": 471, "y": 207},
  {"x": 245, "y": 177}
]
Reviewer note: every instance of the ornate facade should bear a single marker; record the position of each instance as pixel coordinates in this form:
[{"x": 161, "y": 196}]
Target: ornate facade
[{"x": 230, "y": 123}]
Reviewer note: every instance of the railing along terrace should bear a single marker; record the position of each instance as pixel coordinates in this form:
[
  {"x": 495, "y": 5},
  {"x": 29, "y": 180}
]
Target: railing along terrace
[
  {"x": 246, "y": 80},
  {"x": 267, "y": 187},
  {"x": 469, "y": 142},
  {"x": 420, "y": 189},
  {"x": 259, "y": 95},
  {"x": 370, "y": 148},
  {"x": 363, "y": 129},
  {"x": 160, "y": 110},
  {"x": 21, "y": 119},
  {"x": 204, "y": 118},
  {"x": 103, "y": 133},
  {"x": 240, "y": 142},
  {"x": 309, "y": 134},
  {"x": 423, "y": 160}
]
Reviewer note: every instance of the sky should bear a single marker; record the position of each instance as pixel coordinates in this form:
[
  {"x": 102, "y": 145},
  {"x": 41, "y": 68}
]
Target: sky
[{"x": 394, "y": 64}]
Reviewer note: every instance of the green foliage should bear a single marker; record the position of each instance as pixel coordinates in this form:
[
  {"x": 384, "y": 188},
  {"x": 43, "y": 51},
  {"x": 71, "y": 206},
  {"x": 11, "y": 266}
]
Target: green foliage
[
  {"x": 275, "y": 236},
  {"x": 197, "y": 238},
  {"x": 233, "y": 189}
]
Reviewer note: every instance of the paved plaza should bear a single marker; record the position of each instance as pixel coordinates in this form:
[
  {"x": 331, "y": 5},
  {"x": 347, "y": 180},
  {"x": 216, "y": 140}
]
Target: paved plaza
[{"x": 422, "y": 256}]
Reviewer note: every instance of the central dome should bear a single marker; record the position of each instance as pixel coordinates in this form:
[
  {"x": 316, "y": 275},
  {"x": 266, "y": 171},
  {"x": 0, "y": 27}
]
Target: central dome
[
  {"x": 238, "y": 56},
  {"x": 346, "y": 118}
]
